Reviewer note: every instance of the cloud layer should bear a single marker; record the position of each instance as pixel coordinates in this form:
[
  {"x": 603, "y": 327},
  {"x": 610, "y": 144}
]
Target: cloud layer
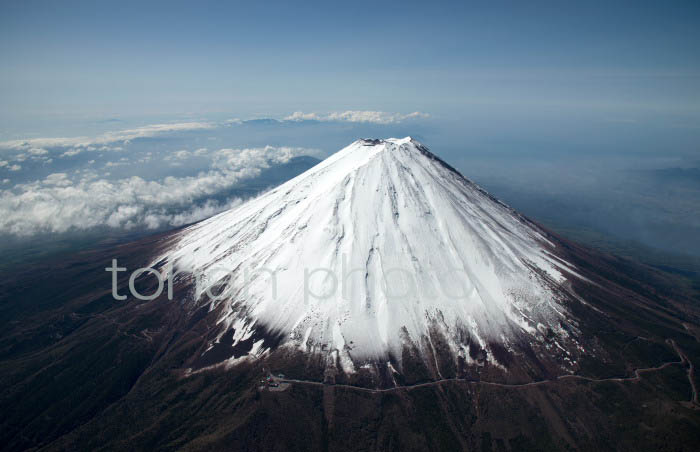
[
  {"x": 37, "y": 144},
  {"x": 366, "y": 116},
  {"x": 61, "y": 202}
]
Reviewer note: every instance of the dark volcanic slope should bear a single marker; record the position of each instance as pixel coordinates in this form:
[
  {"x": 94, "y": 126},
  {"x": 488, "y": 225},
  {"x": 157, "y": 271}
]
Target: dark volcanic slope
[{"x": 81, "y": 371}]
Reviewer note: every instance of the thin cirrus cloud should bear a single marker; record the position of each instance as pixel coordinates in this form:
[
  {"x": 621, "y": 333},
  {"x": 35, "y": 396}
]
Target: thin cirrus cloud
[
  {"x": 60, "y": 203},
  {"x": 36, "y": 145},
  {"x": 362, "y": 116}
]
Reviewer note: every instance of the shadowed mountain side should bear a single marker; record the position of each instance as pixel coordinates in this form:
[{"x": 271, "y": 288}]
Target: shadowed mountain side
[{"x": 81, "y": 370}]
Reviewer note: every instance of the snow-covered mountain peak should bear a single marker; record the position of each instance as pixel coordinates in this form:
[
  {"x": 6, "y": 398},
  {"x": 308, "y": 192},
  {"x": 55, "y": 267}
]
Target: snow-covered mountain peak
[
  {"x": 380, "y": 141},
  {"x": 380, "y": 245}
]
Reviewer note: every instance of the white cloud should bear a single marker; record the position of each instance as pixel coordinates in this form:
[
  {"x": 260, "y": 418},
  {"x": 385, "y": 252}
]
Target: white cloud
[
  {"x": 374, "y": 117},
  {"x": 59, "y": 203},
  {"x": 178, "y": 155},
  {"x": 57, "y": 179},
  {"x": 3, "y": 163},
  {"x": 107, "y": 138},
  {"x": 192, "y": 215},
  {"x": 121, "y": 162},
  {"x": 72, "y": 152},
  {"x": 14, "y": 167}
]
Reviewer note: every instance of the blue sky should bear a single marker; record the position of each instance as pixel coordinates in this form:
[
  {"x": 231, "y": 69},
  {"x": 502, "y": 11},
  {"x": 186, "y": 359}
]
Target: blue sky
[{"x": 269, "y": 58}]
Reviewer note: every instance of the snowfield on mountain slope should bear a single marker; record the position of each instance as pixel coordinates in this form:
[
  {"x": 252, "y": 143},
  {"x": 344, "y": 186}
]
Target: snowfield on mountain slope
[{"x": 377, "y": 245}]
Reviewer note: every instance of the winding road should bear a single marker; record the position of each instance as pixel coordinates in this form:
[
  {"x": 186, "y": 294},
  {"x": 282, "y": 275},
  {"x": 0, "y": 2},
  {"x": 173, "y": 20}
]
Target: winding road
[{"x": 684, "y": 361}]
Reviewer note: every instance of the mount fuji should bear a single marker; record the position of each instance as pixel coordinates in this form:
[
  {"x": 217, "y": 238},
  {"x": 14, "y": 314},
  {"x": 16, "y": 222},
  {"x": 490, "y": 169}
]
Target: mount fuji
[
  {"x": 382, "y": 254},
  {"x": 377, "y": 301}
]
